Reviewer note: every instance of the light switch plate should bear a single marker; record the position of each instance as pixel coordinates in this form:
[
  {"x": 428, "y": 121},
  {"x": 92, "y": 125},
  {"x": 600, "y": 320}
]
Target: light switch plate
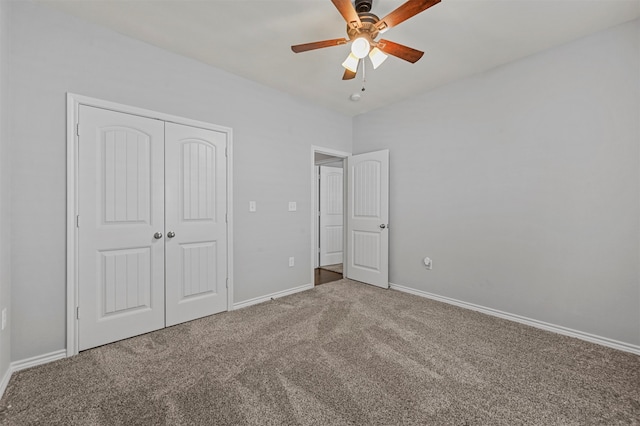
[
  {"x": 252, "y": 206},
  {"x": 293, "y": 206}
]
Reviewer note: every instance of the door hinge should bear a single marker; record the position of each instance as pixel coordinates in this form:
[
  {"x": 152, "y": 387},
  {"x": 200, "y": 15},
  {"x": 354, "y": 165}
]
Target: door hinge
[
  {"x": 78, "y": 129},
  {"x": 77, "y": 312},
  {"x": 226, "y": 217},
  {"x": 78, "y": 221},
  {"x": 226, "y": 152},
  {"x": 227, "y": 283}
]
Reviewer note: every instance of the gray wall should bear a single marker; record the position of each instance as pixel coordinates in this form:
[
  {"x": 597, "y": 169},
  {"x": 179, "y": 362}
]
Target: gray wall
[
  {"x": 5, "y": 193},
  {"x": 53, "y": 53},
  {"x": 522, "y": 185}
]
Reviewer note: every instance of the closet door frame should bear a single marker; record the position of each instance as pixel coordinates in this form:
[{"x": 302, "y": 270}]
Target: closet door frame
[{"x": 73, "y": 103}]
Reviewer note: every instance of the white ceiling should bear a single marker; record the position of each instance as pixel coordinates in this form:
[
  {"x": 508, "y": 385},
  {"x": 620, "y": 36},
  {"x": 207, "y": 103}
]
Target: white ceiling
[{"x": 253, "y": 38}]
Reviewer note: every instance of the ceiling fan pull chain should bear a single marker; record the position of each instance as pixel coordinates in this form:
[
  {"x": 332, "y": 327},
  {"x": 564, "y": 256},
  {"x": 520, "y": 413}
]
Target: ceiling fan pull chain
[{"x": 364, "y": 74}]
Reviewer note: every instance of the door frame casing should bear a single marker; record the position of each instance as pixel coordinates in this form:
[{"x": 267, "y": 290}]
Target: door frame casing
[
  {"x": 73, "y": 103},
  {"x": 314, "y": 202}
]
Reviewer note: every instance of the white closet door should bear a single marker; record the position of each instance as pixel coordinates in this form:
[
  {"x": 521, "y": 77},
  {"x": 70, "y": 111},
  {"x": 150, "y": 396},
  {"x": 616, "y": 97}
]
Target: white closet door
[
  {"x": 331, "y": 215},
  {"x": 196, "y": 193},
  {"x": 368, "y": 218},
  {"x": 121, "y": 207}
]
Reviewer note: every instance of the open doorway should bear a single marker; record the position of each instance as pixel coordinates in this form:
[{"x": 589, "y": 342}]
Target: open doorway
[{"x": 328, "y": 207}]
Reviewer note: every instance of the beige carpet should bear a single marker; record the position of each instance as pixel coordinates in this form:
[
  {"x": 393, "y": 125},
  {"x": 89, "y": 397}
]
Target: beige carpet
[
  {"x": 333, "y": 268},
  {"x": 343, "y": 353}
]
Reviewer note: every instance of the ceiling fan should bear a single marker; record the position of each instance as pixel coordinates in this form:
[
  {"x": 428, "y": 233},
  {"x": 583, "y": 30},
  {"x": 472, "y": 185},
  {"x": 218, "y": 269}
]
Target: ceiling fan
[{"x": 362, "y": 29}]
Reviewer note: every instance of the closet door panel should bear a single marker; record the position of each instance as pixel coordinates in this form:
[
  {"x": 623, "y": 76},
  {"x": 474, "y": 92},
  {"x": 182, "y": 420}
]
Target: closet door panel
[
  {"x": 196, "y": 194},
  {"x": 121, "y": 208}
]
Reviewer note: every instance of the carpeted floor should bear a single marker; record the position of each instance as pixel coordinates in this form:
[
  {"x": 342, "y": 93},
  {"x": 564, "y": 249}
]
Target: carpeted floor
[{"x": 342, "y": 353}]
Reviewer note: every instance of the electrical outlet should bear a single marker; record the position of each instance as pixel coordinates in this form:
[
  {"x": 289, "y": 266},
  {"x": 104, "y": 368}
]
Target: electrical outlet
[
  {"x": 252, "y": 206},
  {"x": 428, "y": 263},
  {"x": 292, "y": 261},
  {"x": 4, "y": 318},
  {"x": 293, "y": 206}
]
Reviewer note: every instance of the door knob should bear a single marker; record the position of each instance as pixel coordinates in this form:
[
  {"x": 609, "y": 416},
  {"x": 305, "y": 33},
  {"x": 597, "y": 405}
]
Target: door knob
[
  {"x": 382, "y": 226},
  {"x": 171, "y": 234},
  {"x": 157, "y": 235}
]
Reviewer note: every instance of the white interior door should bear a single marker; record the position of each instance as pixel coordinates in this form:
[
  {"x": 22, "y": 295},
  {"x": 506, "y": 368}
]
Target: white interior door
[
  {"x": 331, "y": 215},
  {"x": 368, "y": 218},
  {"x": 196, "y": 245},
  {"x": 121, "y": 208}
]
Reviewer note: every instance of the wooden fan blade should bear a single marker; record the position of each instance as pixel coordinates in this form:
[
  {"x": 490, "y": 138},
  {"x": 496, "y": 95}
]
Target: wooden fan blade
[
  {"x": 318, "y": 45},
  {"x": 348, "y": 75},
  {"x": 348, "y": 12},
  {"x": 400, "y": 51},
  {"x": 408, "y": 10}
]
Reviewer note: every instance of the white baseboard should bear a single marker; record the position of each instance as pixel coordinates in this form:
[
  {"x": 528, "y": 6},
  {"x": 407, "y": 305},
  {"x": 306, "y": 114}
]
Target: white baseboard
[
  {"x": 28, "y": 363},
  {"x": 604, "y": 341},
  {"x": 5, "y": 381},
  {"x": 38, "y": 360},
  {"x": 268, "y": 297}
]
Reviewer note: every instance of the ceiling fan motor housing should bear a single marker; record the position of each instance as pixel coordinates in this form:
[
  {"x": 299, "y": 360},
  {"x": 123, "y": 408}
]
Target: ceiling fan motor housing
[{"x": 368, "y": 21}]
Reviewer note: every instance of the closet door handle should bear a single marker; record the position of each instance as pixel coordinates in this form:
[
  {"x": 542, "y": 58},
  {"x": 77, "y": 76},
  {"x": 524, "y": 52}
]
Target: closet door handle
[
  {"x": 157, "y": 235},
  {"x": 171, "y": 234}
]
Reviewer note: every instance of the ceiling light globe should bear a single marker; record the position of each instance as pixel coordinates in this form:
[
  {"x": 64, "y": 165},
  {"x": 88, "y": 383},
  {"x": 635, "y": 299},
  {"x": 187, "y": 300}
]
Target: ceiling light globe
[
  {"x": 351, "y": 63},
  {"x": 360, "y": 47},
  {"x": 377, "y": 57}
]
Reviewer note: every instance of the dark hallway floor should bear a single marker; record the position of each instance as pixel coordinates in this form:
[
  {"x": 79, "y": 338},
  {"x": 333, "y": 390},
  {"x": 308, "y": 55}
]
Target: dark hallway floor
[{"x": 323, "y": 276}]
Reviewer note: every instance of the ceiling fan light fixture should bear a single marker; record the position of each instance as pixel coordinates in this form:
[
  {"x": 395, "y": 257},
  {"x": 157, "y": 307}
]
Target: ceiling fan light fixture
[
  {"x": 363, "y": 27},
  {"x": 360, "y": 47},
  {"x": 377, "y": 57},
  {"x": 351, "y": 63}
]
